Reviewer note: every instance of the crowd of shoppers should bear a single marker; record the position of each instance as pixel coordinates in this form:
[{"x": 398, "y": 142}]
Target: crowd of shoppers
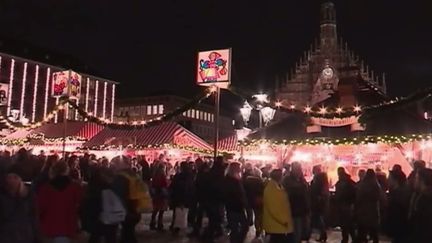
[{"x": 107, "y": 199}]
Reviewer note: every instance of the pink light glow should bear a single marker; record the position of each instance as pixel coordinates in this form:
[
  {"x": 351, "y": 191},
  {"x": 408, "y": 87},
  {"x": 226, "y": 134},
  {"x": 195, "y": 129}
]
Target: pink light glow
[
  {"x": 104, "y": 100},
  {"x": 96, "y": 98},
  {"x": 87, "y": 94},
  {"x": 24, "y": 79},
  {"x": 112, "y": 102},
  {"x": 46, "y": 91},
  {"x": 35, "y": 93},
  {"x": 11, "y": 78}
]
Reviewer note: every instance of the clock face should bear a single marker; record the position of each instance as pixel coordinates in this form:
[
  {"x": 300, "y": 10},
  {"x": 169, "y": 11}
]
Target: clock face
[{"x": 327, "y": 72}]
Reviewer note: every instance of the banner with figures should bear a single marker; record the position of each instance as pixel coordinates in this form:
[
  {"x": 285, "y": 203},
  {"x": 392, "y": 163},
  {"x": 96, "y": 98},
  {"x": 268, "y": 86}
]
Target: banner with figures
[
  {"x": 66, "y": 83},
  {"x": 4, "y": 92},
  {"x": 214, "y": 68}
]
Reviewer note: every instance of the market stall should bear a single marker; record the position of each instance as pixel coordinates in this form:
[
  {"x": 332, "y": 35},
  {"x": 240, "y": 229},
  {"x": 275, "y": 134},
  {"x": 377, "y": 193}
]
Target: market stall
[{"x": 168, "y": 137}]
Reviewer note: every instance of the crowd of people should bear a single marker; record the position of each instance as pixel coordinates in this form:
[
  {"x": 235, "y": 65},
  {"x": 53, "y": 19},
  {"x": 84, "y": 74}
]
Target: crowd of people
[{"x": 106, "y": 198}]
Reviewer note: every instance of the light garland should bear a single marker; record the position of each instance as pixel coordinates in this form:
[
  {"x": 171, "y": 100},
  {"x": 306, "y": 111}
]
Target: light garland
[
  {"x": 96, "y": 98},
  {"x": 143, "y": 147},
  {"x": 385, "y": 139},
  {"x": 35, "y": 94},
  {"x": 47, "y": 91},
  {"x": 23, "y": 89},
  {"x": 11, "y": 78},
  {"x": 87, "y": 94},
  {"x": 104, "y": 100},
  {"x": 112, "y": 102},
  {"x": 55, "y": 114}
]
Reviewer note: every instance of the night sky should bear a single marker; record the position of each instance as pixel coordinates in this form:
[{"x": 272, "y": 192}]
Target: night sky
[{"x": 151, "y": 46}]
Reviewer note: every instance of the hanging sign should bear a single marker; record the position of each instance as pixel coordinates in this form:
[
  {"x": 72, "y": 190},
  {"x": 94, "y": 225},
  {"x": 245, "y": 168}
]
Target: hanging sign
[
  {"x": 4, "y": 90},
  {"x": 66, "y": 83},
  {"x": 214, "y": 68},
  {"x": 334, "y": 122}
]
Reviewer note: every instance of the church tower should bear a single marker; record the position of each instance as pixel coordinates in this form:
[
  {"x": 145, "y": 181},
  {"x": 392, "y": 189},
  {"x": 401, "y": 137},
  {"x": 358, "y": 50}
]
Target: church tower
[
  {"x": 329, "y": 73},
  {"x": 328, "y": 34}
]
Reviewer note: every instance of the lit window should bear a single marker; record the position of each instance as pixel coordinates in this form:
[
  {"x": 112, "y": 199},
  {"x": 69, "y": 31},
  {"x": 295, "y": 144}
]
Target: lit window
[
  {"x": 149, "y": 111},
  {"x": 193, "y": 113},
  {"x": 155, "y": 109},
  {"x": 188, "y": 113},
  {"x": 212, "y": 118},
  {"x": 201, "y": 115},
  {"x": 205, "y": 116},
  {"x": 184, "y": 113},
  {"x": 161, "y": 109}
]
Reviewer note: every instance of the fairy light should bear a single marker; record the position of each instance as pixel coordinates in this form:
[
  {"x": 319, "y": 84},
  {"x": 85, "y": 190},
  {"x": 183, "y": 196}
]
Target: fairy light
[
  {"x": 278, "y": 104},
  {"x": 292, "y": 107},
  {"x": 35, "y": 93},
  {"x": 56, "y": 113},
  {"x": 323, "y": 110},
  {"x": 11, "y": 78},
  {"x": 357, "y": 108},
  {"x": 308, "y": 109},
  {"x": 96, "y": 98},
  {"x": 46, "y": 92},
  {"x": 112, "y": 102},
  {"x": 87, "y": 94},
  {"x": 104, "y": 100},
  {"x": 23, "y": 89},
  {"x": 339, "y": 110},
  {"x": 76, "y": 110}
]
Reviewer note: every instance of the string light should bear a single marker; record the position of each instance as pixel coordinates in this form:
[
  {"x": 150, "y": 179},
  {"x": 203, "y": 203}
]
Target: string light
[
  {"x": 23, "y": 89},
  {"x": 104, "y": 100},
  {"x": 35, "y": 94},
  {"x": 46, "y": 91},
  {"x": 55, "y": 113},
  {"x": 357, "y": 108},
  {"x": 292, "y": 107},
  {"x": 339, "y": 110},
  {"x": 323, "y": 110},
  {"x": 11, "y": 78},
  {"x": 278, "y": 104},
  {"x": 87, "y": 94},
  {"x": 112, "y": 102},
  {"x": 308, "y": 109},
  {"x": 96, "y": 98}
]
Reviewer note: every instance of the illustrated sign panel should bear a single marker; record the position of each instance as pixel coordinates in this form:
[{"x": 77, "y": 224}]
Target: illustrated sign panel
[
  {"x": 66, "y": 83},
  {"x": 4, "y": 90},
  {"x": 214, "y": 68}
]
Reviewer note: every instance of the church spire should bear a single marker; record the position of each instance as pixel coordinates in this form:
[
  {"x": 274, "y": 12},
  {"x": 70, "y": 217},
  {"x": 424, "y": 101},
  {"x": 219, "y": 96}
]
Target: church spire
[{"x": 328, "y": 33}]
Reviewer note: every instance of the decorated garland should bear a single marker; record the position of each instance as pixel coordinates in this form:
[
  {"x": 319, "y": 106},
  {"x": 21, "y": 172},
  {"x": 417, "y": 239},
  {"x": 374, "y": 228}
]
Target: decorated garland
[{"x": 142, "y": 147}]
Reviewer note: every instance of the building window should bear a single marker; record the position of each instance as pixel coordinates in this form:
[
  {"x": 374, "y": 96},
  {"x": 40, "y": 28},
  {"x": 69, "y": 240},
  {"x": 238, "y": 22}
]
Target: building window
[
  {"x": 188, "y": 113},
  {"x": 161, "y": 109},
  {"x": 193, "y": 113},
  {"x": 155, "y": 109},
  {"x": 149, "y": 111},
  {"x": 184, "y": 113},
  {"x": 212, "y": 118}
]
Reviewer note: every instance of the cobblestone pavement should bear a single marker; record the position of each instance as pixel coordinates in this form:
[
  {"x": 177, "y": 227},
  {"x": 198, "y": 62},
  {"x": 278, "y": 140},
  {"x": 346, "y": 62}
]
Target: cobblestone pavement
[{"x": 144, "y": 234}]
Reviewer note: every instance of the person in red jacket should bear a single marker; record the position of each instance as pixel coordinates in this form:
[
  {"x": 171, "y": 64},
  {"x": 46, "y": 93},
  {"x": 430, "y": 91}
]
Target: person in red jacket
[{"x": 57, "y": 204}]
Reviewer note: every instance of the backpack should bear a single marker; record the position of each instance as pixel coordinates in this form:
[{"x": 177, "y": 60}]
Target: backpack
[
  {"x": 139, "y": 194},
  {"x": 113, "y": 211}
]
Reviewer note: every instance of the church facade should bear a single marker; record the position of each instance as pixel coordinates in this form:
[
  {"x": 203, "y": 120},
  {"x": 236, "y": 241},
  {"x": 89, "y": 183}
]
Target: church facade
[{"x": 329, "y": 73}]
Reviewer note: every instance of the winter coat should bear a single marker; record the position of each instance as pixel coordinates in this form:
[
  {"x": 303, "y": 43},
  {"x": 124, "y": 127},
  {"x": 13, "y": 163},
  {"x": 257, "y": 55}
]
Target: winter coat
[
  {"x": 345, "y": 193},
  {"x": 254, "y": 188},
  {"x": 57, "y": 203},
  {"x": 320, "y": 194},
  {"x": 160, "y": 192},
  {"x": 298, "y": 191},
  {"x": 397, "y": 212},
  {"x": 213, "y": 184},
  {"x": 368, "y": 201},
  {"x": 17, "y": 219},
  {"x": 277, "y": 217},
  {"x": 182, "y": 190},
  {"x": 235, "y": 196},
  {"x": 420, "y": 217}
]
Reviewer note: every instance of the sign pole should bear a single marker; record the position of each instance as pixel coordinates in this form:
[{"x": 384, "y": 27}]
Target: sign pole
[{"x": 216, "y": 121}]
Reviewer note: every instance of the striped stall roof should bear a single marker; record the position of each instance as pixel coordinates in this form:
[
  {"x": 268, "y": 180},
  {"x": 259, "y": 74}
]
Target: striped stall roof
[
  {"x": 165, "y": 133},
  {"x": 228, "y": 144},
  {"x": 73, "y": 128}
]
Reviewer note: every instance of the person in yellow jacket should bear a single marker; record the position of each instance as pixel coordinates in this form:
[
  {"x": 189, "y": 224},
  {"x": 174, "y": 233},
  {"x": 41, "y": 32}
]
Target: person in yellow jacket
[{"x": 277, "y": 219}]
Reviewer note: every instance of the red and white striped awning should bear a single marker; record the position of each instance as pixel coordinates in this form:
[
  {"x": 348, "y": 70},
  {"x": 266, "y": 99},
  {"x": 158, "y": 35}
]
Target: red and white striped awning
[
  {"x": 165, "y": 133},
  {"x": 229, "y": 144},
  {"x": 56, "y": 130}
]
